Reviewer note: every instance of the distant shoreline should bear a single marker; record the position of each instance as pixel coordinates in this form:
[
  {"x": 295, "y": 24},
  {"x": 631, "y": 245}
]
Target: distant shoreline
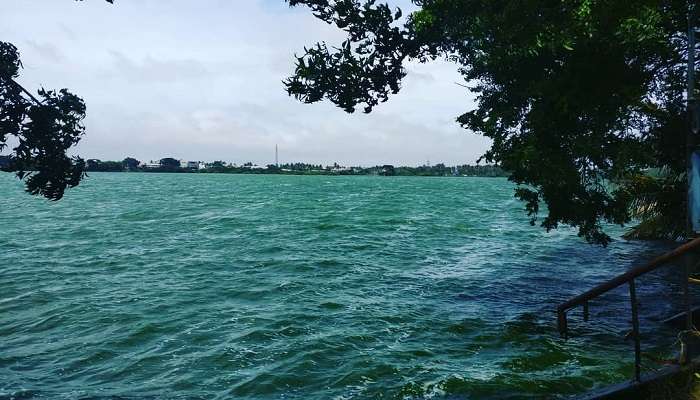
[
  {"x": 293, "y": 174},
  {"x": 171, "y": 165}
]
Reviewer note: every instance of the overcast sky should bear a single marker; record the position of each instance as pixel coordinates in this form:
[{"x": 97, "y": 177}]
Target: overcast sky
[{"x": 202, "y": 80}]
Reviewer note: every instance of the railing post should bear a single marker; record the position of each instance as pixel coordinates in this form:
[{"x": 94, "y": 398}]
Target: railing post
[
  {"x": 635, "y": 332},
  {"x": 688, "y": 261},
  {"x": 561, "y": 324}
]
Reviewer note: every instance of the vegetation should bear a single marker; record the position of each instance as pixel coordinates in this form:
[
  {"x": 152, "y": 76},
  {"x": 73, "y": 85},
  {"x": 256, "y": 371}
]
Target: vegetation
[
  {"x": 104, "y": 166},
  {"x": 45, "y": 127},
  {"x": 130, "y": 164},
  {"x": 580, "y": 97},
  {"x": 298, "y": 168}
]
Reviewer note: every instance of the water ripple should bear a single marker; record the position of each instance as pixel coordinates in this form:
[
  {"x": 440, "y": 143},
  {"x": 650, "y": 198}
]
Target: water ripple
[{"x": 147, "y": 286}]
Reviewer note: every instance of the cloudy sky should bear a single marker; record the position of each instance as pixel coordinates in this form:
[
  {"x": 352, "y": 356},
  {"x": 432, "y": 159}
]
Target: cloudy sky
[{"x": 202, "y": 80}]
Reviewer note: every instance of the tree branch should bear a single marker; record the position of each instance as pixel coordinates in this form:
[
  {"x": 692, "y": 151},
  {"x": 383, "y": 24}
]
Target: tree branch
[{"x": 31, "y": 96}]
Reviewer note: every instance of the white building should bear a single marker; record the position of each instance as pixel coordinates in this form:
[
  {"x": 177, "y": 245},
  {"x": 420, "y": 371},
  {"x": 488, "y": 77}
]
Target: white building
[
  {"x": 190, "y": 164},
  {"x": 149, "y": 165},
  {"x": 340, "y": 168}
]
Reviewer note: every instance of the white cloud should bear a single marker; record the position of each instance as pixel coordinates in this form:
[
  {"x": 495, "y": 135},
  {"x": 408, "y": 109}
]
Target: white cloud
[{"x": 202, "y": 80}]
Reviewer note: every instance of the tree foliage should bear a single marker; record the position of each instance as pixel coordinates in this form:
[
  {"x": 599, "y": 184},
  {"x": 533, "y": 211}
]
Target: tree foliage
[
  {"x": 130, "y": 164},
  {"x": 44, "y": 128},
  {"x": 579, "y": 97},
  {"x": 170, "y": 163}
]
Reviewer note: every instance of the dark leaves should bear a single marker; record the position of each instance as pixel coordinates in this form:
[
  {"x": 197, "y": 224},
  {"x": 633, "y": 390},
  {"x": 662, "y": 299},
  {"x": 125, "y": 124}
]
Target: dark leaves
[
  {"x": 9, "y": 61},
  {"x": 45, "y": 127},
  {"x": 365, "y": 69},
  {"x": 578, "y": 98}
]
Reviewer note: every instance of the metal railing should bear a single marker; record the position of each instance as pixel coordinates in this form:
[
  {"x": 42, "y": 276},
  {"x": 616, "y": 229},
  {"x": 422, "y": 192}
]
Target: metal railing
[{"x": 628, "y": 278}]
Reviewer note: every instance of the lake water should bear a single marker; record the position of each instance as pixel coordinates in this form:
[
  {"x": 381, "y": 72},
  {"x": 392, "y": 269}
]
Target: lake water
[{"x": 202, "y": 286}]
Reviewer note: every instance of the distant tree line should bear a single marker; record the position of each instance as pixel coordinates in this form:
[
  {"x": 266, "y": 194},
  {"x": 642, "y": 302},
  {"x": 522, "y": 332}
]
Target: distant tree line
[
  {"x": 444, "y": 170},
  {"x": 299, "y": 166},
  {"x": 167, "y": 164},
  {"x": 170, "y": 164},
  {"x": 128, "y": 164}
]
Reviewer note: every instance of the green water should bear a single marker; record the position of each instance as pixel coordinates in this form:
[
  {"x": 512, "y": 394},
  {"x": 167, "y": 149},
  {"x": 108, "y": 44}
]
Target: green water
[{"x": 286, "y": 287}]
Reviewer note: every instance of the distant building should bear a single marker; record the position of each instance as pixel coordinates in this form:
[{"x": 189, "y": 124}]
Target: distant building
[
  {"x": 192, "y": 164},
  {"x": 250, "y": 165},
  {"x": 150, "y": 165},
  {"x": 215, "y": 164},
  {"x": 340, "y": 168}
]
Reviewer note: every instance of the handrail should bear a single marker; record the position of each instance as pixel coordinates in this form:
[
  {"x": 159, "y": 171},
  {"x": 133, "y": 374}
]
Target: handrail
[{"x": 628, "y": 277}]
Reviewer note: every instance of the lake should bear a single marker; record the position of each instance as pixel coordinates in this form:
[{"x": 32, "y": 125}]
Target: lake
[{"x": 205, "y": 286}]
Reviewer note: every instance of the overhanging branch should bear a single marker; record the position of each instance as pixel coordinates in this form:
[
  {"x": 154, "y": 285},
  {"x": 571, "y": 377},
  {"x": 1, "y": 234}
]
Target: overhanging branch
[{"x": 31, "y": 96}]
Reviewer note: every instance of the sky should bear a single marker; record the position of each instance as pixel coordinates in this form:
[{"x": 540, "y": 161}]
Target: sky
[{"x": 202, "y": 80}]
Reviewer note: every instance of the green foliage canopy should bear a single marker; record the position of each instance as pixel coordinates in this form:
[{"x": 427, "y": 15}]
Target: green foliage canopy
[
  {"x": 44, "y": 128},
  {"x": 579, "y": 97}
]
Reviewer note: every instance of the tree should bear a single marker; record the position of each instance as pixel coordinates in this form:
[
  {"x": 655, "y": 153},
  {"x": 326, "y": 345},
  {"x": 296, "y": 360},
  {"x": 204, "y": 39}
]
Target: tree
[
  {"x": 131, "y": 164},
  {"x": 44, "y": 128},
  {"x": 581, "y": 98},
  {"x": 169, "y": 163},
  {"x": 94, "y": 165}
]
